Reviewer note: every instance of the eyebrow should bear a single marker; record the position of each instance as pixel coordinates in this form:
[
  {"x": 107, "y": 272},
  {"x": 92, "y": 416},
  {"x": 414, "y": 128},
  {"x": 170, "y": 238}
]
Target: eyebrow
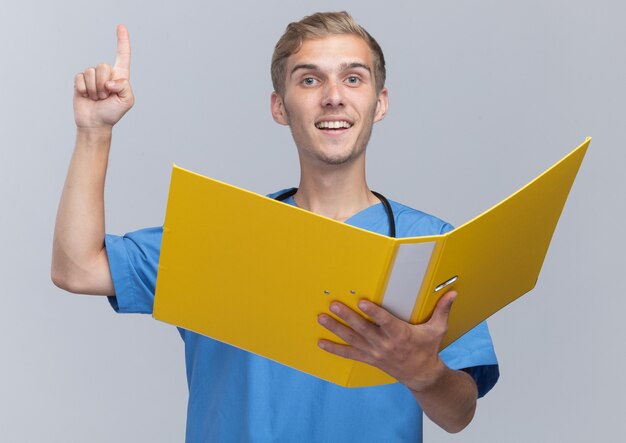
[{"x": 342, "y": 67}]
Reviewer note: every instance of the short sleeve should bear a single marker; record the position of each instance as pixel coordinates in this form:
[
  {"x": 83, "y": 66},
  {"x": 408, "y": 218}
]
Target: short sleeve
[
  {"x": 133, "y": 260},
  {"x": 474, "y": 352}
]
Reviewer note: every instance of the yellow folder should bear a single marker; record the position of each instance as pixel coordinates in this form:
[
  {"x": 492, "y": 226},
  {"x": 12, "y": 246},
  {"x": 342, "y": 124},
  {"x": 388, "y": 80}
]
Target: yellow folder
[{"x": 255, "y": 272}]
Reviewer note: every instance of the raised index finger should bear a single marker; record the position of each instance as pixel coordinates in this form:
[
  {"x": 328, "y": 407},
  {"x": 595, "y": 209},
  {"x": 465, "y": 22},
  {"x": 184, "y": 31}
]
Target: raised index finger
[{"x": 122, "y": 59}]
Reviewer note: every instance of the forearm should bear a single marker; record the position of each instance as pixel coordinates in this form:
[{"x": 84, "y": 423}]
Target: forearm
[
  {"x": 79, "y": 230},
  {"x": 450, "y": 400}
]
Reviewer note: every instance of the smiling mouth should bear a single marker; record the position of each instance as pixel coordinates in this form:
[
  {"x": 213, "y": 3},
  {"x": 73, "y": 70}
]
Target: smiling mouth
[{"x": 334, "y": 125}]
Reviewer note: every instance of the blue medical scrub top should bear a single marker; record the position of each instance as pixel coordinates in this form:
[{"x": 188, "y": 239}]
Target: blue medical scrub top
[{"x": 236, "y": 396}]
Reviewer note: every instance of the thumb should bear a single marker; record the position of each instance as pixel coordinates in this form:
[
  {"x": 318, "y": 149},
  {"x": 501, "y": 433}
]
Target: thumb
[
  {"x": 121, "y": 87},
  {"x": 442, "y": 310}
]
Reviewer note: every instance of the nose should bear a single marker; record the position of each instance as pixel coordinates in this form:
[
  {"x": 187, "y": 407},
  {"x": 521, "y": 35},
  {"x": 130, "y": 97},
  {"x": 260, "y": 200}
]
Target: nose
[{"x": 332, "y": 94}]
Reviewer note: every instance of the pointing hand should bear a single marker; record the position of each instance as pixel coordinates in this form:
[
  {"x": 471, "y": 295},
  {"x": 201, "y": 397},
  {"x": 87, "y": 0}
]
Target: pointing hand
[{"x": 102, "y": 94}]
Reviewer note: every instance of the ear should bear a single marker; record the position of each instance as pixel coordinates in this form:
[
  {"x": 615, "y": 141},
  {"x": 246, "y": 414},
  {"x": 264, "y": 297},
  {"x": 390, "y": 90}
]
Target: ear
[
  {"x": 381, "y": 105},
  {"x": 278, "y": 109}
]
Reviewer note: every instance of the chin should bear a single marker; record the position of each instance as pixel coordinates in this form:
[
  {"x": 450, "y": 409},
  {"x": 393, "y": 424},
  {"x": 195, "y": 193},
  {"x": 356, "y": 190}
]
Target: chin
[
  {"x": 337, "y": 158},
  {"x": 334, "y": 155},
  {"x": 336, "y": 161}
]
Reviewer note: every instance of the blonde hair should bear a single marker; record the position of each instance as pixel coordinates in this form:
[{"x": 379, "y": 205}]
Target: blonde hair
[{"x": 320, "y": 25}]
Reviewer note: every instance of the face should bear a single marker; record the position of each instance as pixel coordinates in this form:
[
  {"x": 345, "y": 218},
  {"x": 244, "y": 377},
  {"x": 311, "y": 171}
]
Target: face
[{"x": 330, "y": 100}]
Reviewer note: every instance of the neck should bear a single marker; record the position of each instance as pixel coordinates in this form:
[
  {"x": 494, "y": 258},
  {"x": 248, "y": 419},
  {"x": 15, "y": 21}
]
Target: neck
[{"x": 334, "y": 191}]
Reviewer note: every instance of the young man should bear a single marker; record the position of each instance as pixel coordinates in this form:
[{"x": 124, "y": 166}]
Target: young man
[{"x": 328, "y": 75}]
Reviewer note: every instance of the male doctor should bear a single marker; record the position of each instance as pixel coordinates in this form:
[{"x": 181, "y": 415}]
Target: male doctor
[{"x": 328, "y": 75}]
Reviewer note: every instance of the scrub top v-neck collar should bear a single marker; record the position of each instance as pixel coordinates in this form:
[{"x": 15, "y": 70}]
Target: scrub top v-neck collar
[{"x": 352, "y": 220}]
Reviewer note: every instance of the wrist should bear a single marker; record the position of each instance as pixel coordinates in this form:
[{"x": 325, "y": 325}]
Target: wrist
[
  {"x": 94, "y": 133},
  {"x": 429, "y": 378}
]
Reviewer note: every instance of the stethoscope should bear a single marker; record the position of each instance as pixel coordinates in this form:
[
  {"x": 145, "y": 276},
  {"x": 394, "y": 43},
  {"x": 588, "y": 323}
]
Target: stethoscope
[{"x": 392, "y": 224}]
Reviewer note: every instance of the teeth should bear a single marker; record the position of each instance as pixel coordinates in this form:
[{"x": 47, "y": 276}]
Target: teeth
[{"x": 333, "y": 125}]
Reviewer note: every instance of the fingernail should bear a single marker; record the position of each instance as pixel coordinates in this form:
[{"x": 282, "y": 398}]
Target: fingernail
[
  {"x": 334, "y": 308},
  {"x": 363, "y": 306},
  {"x": 103, "y": 95},
  {"x": 321, "y": 344}
]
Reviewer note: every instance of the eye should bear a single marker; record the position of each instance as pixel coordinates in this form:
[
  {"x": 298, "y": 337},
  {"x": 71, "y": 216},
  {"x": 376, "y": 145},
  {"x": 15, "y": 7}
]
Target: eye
[
  {"x": 308, "y": 81},
  {"x": 353, "y": 80}
]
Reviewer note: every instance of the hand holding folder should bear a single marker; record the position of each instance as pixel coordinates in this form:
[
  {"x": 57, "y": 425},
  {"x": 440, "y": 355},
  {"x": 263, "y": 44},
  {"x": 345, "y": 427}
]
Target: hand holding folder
[
  {"x": 405, "y": 351},
  {"x": 218, "y": 275}
]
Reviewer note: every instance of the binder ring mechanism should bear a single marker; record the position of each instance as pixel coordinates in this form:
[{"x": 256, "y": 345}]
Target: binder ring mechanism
[{"x": 446, "y": 283}]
